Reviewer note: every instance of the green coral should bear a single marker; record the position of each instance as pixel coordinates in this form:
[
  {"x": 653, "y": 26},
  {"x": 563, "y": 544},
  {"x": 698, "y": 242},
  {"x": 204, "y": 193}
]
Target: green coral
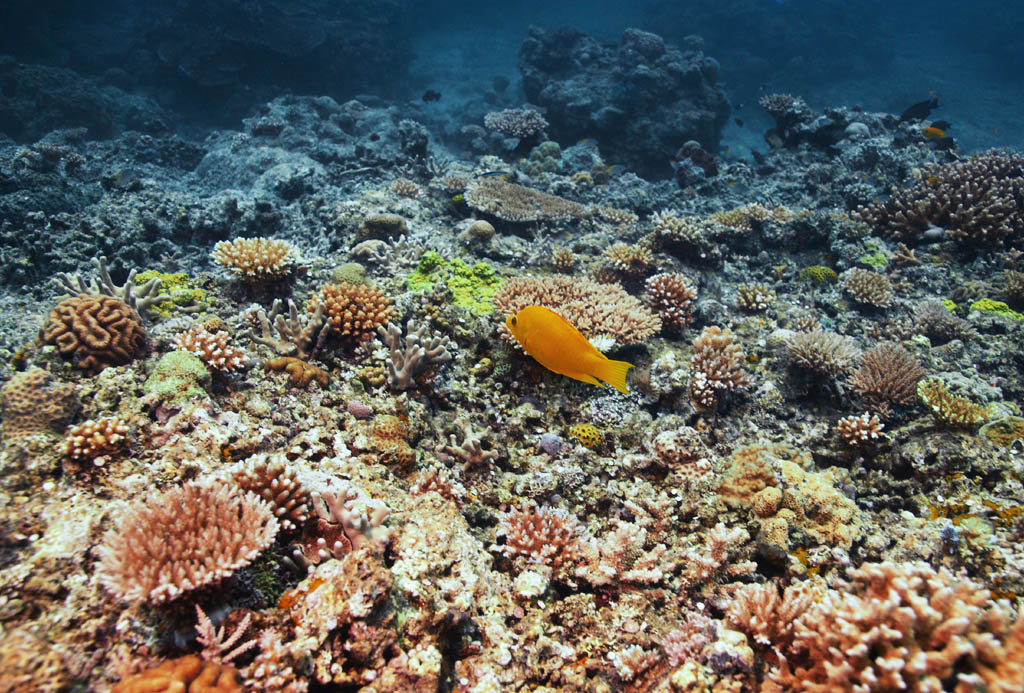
[
  {"x": 183, "y": 293},
  {"x": 875, "y": 257},
  {"x": 471, "y": 286},
  {"x": 950, "y": 306},
  {"x": 819, "y": 274},
  {"x": 178, "y": 377},
  {"x": 987, "y": 305}
]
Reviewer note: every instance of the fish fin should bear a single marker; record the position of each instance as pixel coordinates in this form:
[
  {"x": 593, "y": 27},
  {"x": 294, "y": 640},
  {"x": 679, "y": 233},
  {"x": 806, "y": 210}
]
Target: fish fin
[
  {"x": 588, "y": 378},
  {"x": 613, "y": 373}
]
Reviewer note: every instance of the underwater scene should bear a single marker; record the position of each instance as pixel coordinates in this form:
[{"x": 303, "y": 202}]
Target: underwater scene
[{"x": 384, "y": 346}]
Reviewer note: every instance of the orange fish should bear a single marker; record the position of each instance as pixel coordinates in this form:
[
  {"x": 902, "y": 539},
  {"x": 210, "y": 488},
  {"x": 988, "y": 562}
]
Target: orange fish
[
  {"x": 931, "y": 133},
  {"x": 558, "y": 346}
]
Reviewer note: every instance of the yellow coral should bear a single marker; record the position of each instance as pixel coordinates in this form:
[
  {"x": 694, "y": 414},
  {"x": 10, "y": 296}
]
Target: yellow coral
[{"x": 587, "y": 434}]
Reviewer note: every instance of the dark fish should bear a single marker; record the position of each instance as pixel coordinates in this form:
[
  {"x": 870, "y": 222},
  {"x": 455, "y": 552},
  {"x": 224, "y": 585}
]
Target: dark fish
[
  {"x": 758, "y": 157},
  {"x": 374, "y": 137},
  {"x": 942, "y": 124},
  {"x": 739, "y": 122},
  {"x": 495, "y": 174},
  {"x": 920, "y": 111},
  {"x": 431, "y": 95}
]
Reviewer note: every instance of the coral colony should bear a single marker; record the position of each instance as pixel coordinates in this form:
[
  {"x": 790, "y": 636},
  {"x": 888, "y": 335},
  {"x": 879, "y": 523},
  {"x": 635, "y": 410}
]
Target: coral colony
[{"x": 299, "y": 449}]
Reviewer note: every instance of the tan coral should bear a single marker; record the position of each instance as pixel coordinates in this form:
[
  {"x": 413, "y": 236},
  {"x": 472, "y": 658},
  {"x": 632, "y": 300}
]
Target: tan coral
[
  {"x": 94, "y": 441},
  {"x": 256, "y": 259},
  {"x": 35, "y": 402},
  {"x": 515, "y": 203},
  {"x": 187, "y": 674},
  {"x": 353, "y": 311},
  {"x": 300, "y": 373},
  {"x": 95, "y": 331}
]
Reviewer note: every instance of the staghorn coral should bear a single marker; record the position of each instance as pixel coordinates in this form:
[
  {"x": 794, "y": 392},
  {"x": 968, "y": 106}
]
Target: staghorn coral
[
  {"x": 950, "y": 410},
  {"x": 188, "y": 674},
  {"x": 867, "y": 287},
  {"x": 212, "y": 348},
  {"x": 218, "y": 646},
  {"x": 94, "y": 441},
  {"x": 421, "y": 350},
  {"x": 300, "y": 373},
  {"x": 187, "y": 537},
  {"x": 685, "y": 236},
  {"x": 857, "y": 430},
  {"x": 544, "y": 536},
  {"x": 892, "y": 626},
  {"x": 95, "y": 331},
  {"x": 630, "y": 260},
  {"x": 979, "y": 201},
  {"x": 270, "y": 478},
  {"x": 671, "y": 296},
  {"x": 516, "y": 122},
  {"x": 594, "y": 309},
  {"x": 563, "y": 260},
  {"x": 888, "y": 374},
  {"x": 35, "y": 402},
  {"x": 754, "y": 298},
  {"x": 140, "y": 297},
  {"x": 822, "y": 353},
  {"x": 256, "y": 260},
  {"x": 715, "y": 367},
  {"x": 518, "y": 204},
  {"x": 353, "y": 311},
  {"x": 293, "y": 338}
]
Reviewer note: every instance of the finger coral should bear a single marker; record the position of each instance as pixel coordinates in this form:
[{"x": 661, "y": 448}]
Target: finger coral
[
  {"x": 95, "y": 331},
  {"x": 185, "y": 538},
  {"x": 353, "y": 311},
  {"x": 212, "y": 348},
  {"x": 716, "y": 366}
]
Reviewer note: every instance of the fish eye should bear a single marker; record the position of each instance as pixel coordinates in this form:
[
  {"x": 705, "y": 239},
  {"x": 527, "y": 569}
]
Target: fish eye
[{"x": 512, "y": 320}]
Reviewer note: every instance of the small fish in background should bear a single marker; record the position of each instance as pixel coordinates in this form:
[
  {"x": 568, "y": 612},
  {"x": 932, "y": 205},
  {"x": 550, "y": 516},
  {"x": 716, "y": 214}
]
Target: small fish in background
[
  {"x": 431, "y": 95},
  {"x": 920, "y": 110},
  {"x": 504, "y": 175},
  {"x": 773, "y": 139},
  {"x": 556, "y": 344},
  {"x": 739, "y": 122},
  {"x": 587, "y": 142},
  {"x": 614, "y": 169},
  {"x": 995, "y": 131},
  {"x": 933, "y": 133},
  {"x": 126, "y": 179}
]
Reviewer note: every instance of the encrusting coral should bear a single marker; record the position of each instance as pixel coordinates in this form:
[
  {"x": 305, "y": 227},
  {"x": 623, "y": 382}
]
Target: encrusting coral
[
  {"x": 300, "y": 373},
  {"x": 35, "y": 402},
  {"x": 95, "y": 331}
]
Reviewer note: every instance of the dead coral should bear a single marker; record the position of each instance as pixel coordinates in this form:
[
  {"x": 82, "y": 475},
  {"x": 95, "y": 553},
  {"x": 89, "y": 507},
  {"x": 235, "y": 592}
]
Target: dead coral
[
  {"x": 95, "y": 331},
  {"x": 35, "y": 402},
  {"x": 187, "y": 537},
  {"x": 421, "y": 350}
]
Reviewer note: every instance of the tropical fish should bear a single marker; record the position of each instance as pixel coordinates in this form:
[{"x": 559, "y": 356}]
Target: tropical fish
[
  {"x": 558, "y": 346},
  {"x": 933, "y": 133},
  {"x": 431, "y": 95},
  {"x": 588, "y": 141},
  {"x": 920, "y": 110},
  {"x": 495, "y": 174},
  {"x": 615, "y": 169}
]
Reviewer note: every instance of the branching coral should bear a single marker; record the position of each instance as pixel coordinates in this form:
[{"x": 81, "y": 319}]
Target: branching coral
[
  {"x": 256, "y": 259},
  {"x": 270, "y": 478},
  {"x": 978, "y": 201},
  {"x": 822, "y": 353},
  {"x": 353, "y": 311},
  {"x": 95, "y": 331},
  {"x": 935, "y": 321},
  {"x": 346, "y": 519},
  {"x": 545, "y": 536},
  {"x": 949, "y": 409},
  {"x": 187, "y": 537},
  {"x": 888, "y": 374},
  {"x": 293, "y": 338},
  {"x": 857, "y": 430},
  {"x": 421, "y": 350},
  {"x": 516, "y": 122},
  {"x": 93, "y": 441},
  {"x": 671, "y": 296},
  {"x": 212, "y": 348},
  {"x": 715, "y": 367},
  {"x": 867, "y": 287},
  {"x": 139, "y": 297}
]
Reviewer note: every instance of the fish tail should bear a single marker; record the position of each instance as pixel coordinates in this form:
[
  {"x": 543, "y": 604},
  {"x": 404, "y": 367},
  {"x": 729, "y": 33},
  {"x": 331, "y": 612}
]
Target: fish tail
[{"x": 613, "y": 373}]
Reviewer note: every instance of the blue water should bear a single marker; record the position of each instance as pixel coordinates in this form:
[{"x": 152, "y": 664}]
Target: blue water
[{"x": 212, "y": 62}]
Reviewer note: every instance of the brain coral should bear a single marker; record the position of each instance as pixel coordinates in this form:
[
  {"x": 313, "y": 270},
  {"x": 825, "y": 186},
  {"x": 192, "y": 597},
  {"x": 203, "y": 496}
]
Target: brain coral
[
  {"x": 95, "y": 331},
  {"x": 34, "y": 402},
  {"x": 594, "y": 309}
]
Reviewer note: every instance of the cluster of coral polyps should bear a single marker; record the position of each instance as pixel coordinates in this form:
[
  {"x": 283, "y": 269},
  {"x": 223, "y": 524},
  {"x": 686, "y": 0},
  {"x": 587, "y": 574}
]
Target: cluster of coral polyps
[
  {"x": 211, "y": 348},
  {"x": 353, "y": 311},
  {"x": 95, "y": 441},
  {"x": 256, "y": 259}
]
